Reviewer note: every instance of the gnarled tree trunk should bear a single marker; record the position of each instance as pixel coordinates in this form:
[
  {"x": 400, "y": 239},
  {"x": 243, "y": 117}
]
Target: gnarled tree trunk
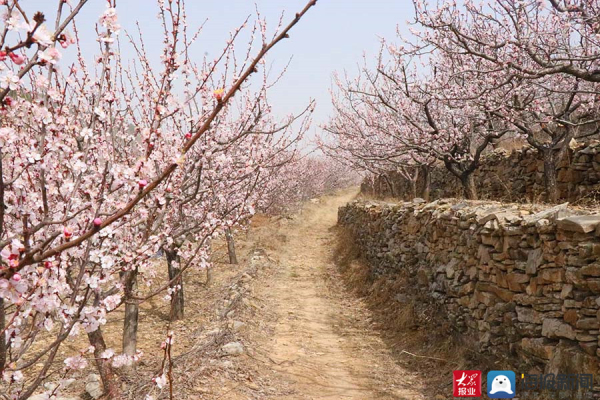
[
  {"x": 130, "y": 324},
  {"x": 413, "y": 179},
  {"x": 550, "y": 176},
  {"x": 426, "y": 182},
  {"x": 177, "y": 299},
  {"x": 390, "y": 185},
  {"x": 231, "y": 247},
  {"x": 468, "y": 183},
  {"x": 110, "y": 381}
]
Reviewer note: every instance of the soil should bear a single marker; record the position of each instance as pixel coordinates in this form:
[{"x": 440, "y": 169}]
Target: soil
[{"x": 323, "y": 344}]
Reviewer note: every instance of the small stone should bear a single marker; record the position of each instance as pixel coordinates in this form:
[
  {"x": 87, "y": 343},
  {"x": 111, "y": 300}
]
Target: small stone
[
  {"x": 233, "y": 349},
  {"x": 93, "y": 386},
  {"x": 587, "y": 323},
  {"x": 590, "y": 270},
  {"x": 237, "y": 325},
  {"x": 566, "y": 291},
  {"x": 534, "y": 260},
  {"x": 571, "y": 316},
  {"x": 589, "y": 347},
  {"x": 552, "y": 275},
  {"x": 503, "y": 294},
  {"x": 529, "y": 315}
]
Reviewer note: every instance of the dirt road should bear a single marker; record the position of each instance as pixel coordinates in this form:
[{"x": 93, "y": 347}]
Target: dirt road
[{"x": 322, "y": 344}]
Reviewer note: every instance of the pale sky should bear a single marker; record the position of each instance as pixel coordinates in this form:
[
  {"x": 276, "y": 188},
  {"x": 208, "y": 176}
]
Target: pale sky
[{"x": 331, "y": 37}]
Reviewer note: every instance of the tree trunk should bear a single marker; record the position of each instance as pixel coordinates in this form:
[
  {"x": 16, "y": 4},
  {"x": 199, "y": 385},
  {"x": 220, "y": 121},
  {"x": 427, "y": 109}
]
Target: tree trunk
[
  {"x": 390, "y": 186},
  {"x": 208, "y": 275},
  {"x": 413, "y": 180},
  {"x": 177, "y": 299},
  {"x": 413, "y": 189},
  {"x": 130, "y": 324},
  {"x": 469, "y": 189},
  {"x": 426, "y": 178},
  {"x": 231, "y": 247},
  {"x": 109, "y": 379},
  {"x": 2, "y": 336},
  {"x": 550, "y": 176}
]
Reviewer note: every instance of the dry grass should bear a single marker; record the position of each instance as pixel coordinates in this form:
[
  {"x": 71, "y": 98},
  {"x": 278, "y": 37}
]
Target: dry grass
[{"x": 198, "y": 338}]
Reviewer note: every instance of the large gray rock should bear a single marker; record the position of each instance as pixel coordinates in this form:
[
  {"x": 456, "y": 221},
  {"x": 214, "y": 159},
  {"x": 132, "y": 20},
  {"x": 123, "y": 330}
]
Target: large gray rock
[
  {"x": 581, "y": 223},
  {"x": 571, "y": 360},
  {"x": 529, "y": 315},
  {"x": 551, "y": 213},
  {"x": 554, "y": 329},
  {"x": 538, "y": 347}
]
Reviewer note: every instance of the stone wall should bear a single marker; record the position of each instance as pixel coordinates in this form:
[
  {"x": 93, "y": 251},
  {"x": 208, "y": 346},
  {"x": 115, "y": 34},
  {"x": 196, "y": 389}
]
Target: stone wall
[
  {"x": 515, "y": 176},
  {"x": 518, "y": 280}
]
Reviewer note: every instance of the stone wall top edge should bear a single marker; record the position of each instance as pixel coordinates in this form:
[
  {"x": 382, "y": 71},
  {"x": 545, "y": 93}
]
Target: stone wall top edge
[{"x": 482, "y": 212}]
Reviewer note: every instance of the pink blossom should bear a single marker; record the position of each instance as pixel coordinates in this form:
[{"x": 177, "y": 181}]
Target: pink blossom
[
  {"x": 50, "y": 55},
  {"x": 77, "y": 362},
  {"x": 160, "y": 381},
  {"x": 17, "y": 58}
]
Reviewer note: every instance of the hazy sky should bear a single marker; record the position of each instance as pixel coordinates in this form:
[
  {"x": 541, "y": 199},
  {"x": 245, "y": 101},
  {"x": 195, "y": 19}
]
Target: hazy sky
[{"x": 332, "y": 37}]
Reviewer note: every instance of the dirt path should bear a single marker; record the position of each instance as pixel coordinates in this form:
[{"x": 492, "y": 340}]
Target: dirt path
[{"x": 322, "y": 344}]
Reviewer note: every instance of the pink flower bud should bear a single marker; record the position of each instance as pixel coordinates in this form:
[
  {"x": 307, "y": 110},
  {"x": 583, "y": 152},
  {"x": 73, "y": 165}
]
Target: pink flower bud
[
  {"x": 188, "y": 135},
  {"x": 68, "y": 233},
  {"x": 142, "y": 183},
  {"x": 2, "y": 55},
  {"x": 17, "y": 58},
  {"x": 16, "y": 277},
  {"x": 97, "y": 222}
]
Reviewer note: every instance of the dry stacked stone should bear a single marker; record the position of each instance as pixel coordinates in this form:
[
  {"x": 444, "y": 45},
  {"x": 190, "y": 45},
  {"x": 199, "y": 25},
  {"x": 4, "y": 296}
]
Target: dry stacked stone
[
  {"x": 519, "y": 280},
  {"x": 516, "y": 176}
]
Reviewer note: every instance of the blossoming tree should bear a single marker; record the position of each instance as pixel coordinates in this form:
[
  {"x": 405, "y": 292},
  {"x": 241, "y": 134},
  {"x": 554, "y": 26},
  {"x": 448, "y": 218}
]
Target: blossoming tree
[
  {"x": 550, "y": 46},
  {"x": 95, "y": 159},
  {"x": 445, "y": 113}
]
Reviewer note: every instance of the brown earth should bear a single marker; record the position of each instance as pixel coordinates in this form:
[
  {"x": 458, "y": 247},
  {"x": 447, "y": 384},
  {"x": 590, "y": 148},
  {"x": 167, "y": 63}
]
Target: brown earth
[{"x": 321, "y": 342}]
